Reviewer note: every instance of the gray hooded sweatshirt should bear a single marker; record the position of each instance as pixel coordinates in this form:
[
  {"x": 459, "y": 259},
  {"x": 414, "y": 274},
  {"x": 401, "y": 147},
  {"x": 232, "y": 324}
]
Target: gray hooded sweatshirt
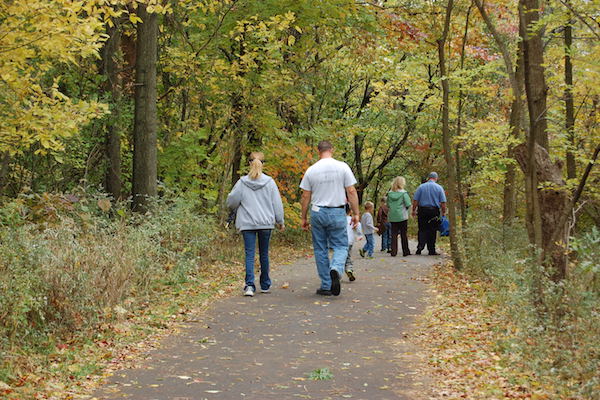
[{"x": 258, "y": 203}]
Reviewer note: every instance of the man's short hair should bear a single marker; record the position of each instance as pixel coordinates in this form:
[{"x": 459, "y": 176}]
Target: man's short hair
[
  {"x": 325, "y": 145},
  {"x": 433, "y": 175}
]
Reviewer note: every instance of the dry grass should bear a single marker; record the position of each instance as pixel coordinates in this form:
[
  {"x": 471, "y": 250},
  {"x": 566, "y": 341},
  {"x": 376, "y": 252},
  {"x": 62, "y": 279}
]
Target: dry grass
[{"x": 85, "y": 291}]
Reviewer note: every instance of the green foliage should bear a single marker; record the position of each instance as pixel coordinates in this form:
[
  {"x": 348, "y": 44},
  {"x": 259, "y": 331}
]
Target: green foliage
[
  {"x": 277, "y": 76},
  {"x": 320, "y": 374}
]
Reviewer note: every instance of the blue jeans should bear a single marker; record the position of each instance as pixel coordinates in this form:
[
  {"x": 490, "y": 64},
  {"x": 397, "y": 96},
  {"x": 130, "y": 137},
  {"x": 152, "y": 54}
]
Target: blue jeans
[
  {"x": 264, "y": 236},
  {"x": 329, "y": 228},
  {"x": 370, "y": 245},
  {"x": 386, "y": 237}
]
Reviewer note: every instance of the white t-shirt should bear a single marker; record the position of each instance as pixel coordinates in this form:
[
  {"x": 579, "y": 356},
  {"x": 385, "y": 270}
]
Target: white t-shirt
[{"x": 328, "y": 179}]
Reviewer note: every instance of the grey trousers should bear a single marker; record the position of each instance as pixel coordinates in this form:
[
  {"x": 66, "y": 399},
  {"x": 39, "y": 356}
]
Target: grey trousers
[{"x": 349, "y": 265}]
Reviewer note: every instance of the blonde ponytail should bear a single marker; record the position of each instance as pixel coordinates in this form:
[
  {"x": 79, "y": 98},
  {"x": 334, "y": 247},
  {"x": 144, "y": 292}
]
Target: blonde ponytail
[
  {"x": 256, "y": 165},
  {"x": 398, "y": 183}
]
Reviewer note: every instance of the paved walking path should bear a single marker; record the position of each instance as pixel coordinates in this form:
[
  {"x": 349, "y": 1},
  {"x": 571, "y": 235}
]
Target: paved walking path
[{"x": 266, "y": 347}]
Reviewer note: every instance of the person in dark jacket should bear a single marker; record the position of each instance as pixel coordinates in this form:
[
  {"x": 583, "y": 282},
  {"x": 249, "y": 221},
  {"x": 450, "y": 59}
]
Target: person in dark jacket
[
  {"x": 259, "y": 208},
  {"x": 384, "y": 226},
  {"x": 398, "y": 202}
]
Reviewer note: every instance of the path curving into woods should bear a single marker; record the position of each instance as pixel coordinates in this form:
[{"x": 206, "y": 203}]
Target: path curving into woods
[{"x": 266, "y": 347}]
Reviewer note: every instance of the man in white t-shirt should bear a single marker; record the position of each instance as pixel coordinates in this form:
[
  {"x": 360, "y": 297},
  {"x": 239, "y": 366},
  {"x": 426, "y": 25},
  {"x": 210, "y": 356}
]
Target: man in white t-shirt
[{"x": 326, "y": 185}]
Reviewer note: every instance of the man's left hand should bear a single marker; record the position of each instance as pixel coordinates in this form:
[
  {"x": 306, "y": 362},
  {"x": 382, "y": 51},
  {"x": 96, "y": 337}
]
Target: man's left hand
[{"x": 305, "y": 224}]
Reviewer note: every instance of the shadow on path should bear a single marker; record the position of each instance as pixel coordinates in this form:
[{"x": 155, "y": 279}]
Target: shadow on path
[{"x": 265, "y": 347}]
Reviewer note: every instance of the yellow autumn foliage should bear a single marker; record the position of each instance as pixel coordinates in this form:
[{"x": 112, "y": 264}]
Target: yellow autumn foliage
[{"x": 36, "y": 37}]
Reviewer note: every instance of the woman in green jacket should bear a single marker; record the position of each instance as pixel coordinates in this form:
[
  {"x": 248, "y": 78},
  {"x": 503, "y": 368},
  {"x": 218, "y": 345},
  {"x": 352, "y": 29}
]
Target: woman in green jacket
[{"x": 398, "y": 202}]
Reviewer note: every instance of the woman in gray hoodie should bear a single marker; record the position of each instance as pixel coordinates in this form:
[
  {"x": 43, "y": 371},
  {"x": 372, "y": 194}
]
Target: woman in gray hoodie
[{"x": 259, "y": 208}]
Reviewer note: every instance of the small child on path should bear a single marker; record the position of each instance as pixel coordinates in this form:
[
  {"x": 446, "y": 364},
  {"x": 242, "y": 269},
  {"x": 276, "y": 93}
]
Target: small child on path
[
  {"x": 353, "y": 235},
  {"x": 368, "y": 230}
]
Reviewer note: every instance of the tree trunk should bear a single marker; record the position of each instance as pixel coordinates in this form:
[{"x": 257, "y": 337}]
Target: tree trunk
[
  {"x": 546, "y": 206},
  {"x": 451, "y": 169},
  {"x": 569, "y": 106},
  {"x": 515, "y": 120},
  {"x": 145, "y": 124},
  {"x": 109, "y": 67},
  {"x": 459, "y": 113},
  {"x": 535, "y": 81},
  {"x": 533, "y": 218},
  {"x": 515, "y": 75},
  {"x": 235, "y": 123},
  {"x": 553, "y": 202},
  {"x": 236, "y": 162},
  {"x": 4, "y": 166}
]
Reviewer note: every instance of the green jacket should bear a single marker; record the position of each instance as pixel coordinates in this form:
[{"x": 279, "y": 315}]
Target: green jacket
[{"x": 399, "y": 203}]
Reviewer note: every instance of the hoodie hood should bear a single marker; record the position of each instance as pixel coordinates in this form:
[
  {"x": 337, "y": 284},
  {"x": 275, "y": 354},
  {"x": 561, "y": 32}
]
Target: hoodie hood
[
  {"x": 256, "y": 184},
  {"x": 395, "y": 196}
]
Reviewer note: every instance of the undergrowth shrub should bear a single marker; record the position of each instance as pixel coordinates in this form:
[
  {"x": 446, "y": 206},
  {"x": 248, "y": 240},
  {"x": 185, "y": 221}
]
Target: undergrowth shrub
[
  {"x": 554, "y": 327},
  {"x": 66, "y": 261}
]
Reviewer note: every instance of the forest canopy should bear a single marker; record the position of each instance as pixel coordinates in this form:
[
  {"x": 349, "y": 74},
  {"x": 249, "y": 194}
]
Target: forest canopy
[{"x": 132, "y": 102}]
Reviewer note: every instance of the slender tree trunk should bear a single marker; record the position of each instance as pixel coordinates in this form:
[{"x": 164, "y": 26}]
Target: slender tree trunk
[
  {"x": 236, "y": 162},
  {"x": 515, "y": 121},
  {"x": 112, "y": 179},
  {"x": 461, "y": 195},
  {"x": 235, "y": 123},
  {"x": 359, "y": 140},
  {"x": 146, "y": 122},
  {"x": 451, "y": 168},
  {"x": 515, "y": 75},
  {"x": 4, "y": 164},
  {"x": 569, "y": 106}
]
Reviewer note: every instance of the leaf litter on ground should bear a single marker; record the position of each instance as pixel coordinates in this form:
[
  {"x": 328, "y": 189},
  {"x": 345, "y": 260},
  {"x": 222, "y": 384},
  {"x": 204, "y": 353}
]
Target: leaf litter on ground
[{"x": 458, "y": 336}]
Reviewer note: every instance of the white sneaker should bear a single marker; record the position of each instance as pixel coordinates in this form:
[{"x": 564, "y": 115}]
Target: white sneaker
[
  {"x": 265, "y": 290},
  {"x": 249, "y": 291}
]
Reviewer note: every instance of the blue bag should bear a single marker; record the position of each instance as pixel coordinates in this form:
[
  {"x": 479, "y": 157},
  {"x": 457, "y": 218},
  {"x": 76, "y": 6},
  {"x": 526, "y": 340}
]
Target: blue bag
[{"x": 444, "y": 227}]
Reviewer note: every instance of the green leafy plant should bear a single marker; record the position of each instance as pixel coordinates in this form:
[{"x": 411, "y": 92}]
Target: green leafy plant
[{"x": 320, "y": 374}]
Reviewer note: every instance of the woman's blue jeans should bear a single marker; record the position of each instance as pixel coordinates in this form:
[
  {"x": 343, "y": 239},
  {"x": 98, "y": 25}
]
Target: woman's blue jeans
[{"x": 264, "y": 237}]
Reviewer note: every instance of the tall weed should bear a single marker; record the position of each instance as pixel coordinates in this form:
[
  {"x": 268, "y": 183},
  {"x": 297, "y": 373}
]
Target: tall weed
[{"x": 66, "y": 262}]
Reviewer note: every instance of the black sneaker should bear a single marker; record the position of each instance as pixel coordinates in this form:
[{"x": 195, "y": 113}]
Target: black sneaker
[
  {"x": 418, "y": 252},
  {"x": 361, "y": 252},
  {"x": 323, "y": 292},
  {"x": 434, "y": 254},
  {"x": 336, "y": 288},
  {"x": 351, "y": 276}
]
